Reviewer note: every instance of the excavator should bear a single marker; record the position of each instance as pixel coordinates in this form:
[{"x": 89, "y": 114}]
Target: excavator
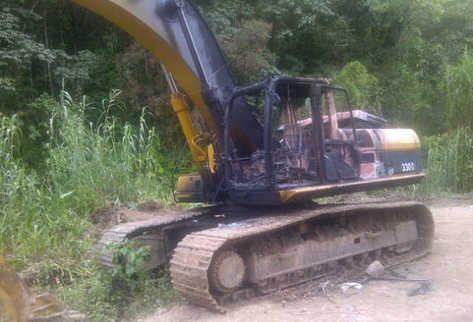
[{"x": 264, "y": 152}]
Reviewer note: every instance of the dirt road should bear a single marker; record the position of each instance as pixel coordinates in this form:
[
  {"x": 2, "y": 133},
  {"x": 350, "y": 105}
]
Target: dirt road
[{"x": 449, "y": 268}]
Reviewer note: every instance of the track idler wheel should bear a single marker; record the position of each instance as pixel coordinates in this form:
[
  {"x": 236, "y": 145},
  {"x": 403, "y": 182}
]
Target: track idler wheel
[{"x": 227, "y": 272}]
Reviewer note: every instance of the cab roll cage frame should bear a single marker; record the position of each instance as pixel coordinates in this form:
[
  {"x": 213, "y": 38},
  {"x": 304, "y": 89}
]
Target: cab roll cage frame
[{"x": 268, "y": 87}]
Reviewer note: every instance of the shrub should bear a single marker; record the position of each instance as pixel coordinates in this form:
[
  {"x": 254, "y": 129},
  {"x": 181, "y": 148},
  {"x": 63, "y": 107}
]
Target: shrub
[{"x": 363, "y": 86}]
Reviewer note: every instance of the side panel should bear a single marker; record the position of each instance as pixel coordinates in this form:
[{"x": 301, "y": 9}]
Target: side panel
[{"x": 402, "y": 162}]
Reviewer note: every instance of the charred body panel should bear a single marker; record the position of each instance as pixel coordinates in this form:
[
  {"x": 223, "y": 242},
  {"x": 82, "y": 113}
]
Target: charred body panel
[
  {"x": 401, "y": 162},
  {"x": 179, "y": 38},
  {"x": 193, "y": 40},
  {"x": 306, "y": 153},
  {"x": 388, "y": 152},
  {"x": 252, "y": 155},
  {"x": 303, "y": 194},
  {"x": 358, "y": 118}
]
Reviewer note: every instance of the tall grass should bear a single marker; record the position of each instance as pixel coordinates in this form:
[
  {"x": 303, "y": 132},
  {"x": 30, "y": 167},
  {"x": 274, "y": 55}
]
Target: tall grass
[
  {"x": 45, "y": 226},
  {"x": 44, "y": 214},
  {"x": 448, "y": 162},
  {"x": 455, "y": 89},
  {"x": 109, "y": 161},
  {"x": 22, "y": 199}
]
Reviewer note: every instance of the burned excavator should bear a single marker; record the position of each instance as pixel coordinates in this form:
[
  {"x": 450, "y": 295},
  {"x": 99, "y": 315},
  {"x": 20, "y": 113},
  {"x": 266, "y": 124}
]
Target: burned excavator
[{"x": 263, "y": 153}]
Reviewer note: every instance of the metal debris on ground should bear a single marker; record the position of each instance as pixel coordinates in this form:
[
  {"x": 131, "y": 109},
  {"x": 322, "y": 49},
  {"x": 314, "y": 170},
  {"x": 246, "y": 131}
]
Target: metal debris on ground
[
  {"x": 425, "y": 285},
  {"x": 424, "y": 288},
  {"x": 323, "y": 286},
  {"x": 351, "y": 288},
  {"x": 394, "y": 279}
]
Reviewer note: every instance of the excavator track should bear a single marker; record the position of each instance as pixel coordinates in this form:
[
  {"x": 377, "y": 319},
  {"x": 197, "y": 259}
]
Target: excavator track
[
  {"x": 161, "y": 234},
  {"x": 290, "y": 247}
]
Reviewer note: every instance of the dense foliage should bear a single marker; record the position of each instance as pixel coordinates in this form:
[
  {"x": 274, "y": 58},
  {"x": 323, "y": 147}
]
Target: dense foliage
[
  {"x": 63, "y": 155},
  {"x": 400, "y": 58}
]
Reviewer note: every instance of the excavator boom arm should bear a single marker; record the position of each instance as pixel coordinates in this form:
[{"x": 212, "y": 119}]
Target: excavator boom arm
[
  {"x": 147, "y": 22},
  {"x": 177, "y": 35}
]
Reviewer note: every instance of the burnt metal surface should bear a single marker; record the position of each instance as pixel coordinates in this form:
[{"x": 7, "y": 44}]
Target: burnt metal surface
[
  {"x": 402, "y": 230},
  {"x": 294, "y": 252},
  {"x": 361, "y": 120},
  {"x": 396, "y": 162},
  {"x": 293, "y": 194},
  {"x": 304, "y": 158},
  {"x": 177, "y": 35},
  {"x": 250, "y": 152},
  {"x": 190, "y": 35}
]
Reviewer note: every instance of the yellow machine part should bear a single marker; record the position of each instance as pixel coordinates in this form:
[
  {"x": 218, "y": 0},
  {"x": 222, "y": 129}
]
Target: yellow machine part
[
  {"x": 190, "y": 188},
  {"x": 139, "y": 20},
  {"x": 18, "y": 304},
  {"x": 183, "y": 114},
  {"x": 13, "y": 295},
  {"x": 211, "y": 157},
  {"x": 399, "y": 139}
]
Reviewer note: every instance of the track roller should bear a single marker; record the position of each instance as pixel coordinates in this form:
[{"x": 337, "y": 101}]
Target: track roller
[{"x": 227, "y": 272}]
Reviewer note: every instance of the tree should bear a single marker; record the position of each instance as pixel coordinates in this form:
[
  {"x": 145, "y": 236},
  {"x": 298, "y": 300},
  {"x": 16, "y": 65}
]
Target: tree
[
  {"x": 456, "y": 88},
  {"x": 19, "y": 55}
]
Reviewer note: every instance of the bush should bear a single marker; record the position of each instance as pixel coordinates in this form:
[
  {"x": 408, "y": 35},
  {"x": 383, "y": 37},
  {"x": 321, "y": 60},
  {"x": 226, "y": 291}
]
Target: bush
[
  {"x": 363, "y": 86},
  {"x": 122, "y": 292}
]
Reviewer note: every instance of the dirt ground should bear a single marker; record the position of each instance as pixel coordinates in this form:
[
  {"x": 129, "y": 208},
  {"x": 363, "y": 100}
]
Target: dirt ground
[{"x": 450, "y": 298}]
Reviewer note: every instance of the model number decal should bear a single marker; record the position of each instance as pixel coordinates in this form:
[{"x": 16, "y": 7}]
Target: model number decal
[{"x": 408, "y": 166}]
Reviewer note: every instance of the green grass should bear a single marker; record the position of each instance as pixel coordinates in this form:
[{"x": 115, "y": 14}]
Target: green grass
[
  {"x": 448, "y": 163},
  {"x": 45, "y": 212},
  {"x": 122, "y": 293}
]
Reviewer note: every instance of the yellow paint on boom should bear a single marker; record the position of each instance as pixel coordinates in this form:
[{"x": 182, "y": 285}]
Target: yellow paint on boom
[{"x": 138, "y": 18}]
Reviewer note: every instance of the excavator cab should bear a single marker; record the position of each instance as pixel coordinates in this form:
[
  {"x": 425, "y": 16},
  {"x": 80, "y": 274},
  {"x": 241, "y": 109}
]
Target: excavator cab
[
  {"x": 309, "y": 146},
  {"x": 296, "y": 150}
]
